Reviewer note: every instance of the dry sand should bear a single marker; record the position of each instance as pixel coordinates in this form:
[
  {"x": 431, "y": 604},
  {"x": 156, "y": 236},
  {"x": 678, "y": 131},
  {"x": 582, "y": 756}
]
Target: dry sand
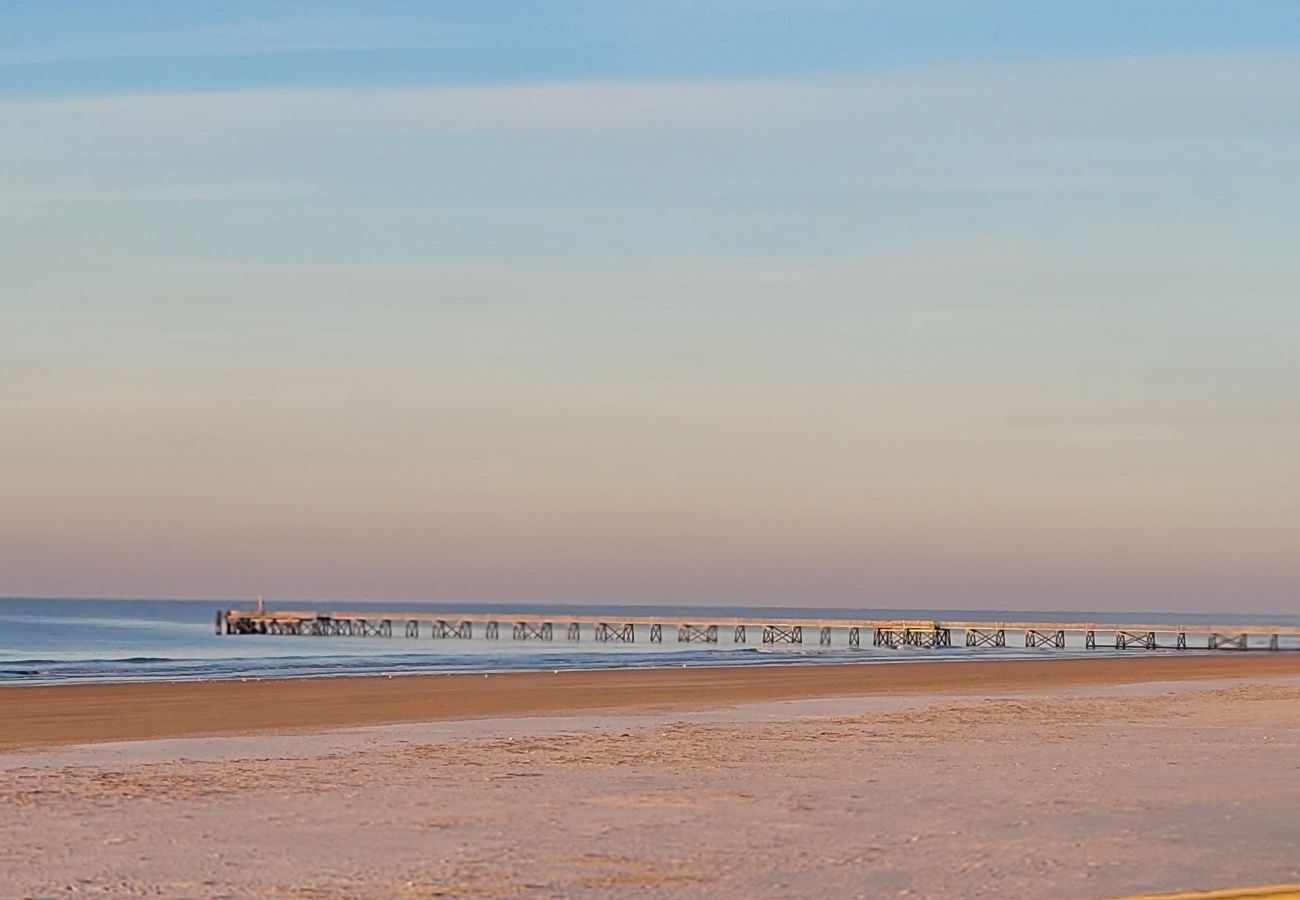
[{"x": 1028, "y": 781}]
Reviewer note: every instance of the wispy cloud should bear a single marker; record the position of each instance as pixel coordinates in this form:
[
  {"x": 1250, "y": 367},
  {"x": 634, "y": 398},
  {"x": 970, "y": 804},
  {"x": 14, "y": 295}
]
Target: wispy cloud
[
  {"x": 796, "y": 159},
  {"x": 1229, "y": 95},
  {"x": 248, "y": 36}
]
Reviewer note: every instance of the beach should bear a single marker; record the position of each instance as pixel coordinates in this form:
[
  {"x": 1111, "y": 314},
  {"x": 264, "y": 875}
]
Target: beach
[
  {"x": 49, "y": 715},
  {"x": 1062, "y": 778}
]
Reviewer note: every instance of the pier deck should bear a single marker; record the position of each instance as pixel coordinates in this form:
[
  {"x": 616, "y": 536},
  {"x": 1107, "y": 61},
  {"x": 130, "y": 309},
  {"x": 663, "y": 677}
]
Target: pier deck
[{"x": 891, "y": 633}]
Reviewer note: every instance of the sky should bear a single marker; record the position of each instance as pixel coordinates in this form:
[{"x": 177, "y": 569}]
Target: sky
[{"x": 940, "y": 303}]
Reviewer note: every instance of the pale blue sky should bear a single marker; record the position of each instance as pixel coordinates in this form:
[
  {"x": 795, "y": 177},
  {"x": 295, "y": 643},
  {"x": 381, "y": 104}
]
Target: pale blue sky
[
  {"x": 940, "y": 303},
  {"x": 61, "y": 47}
]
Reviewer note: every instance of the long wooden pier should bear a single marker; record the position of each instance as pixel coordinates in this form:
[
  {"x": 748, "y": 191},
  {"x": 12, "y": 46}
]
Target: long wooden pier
[{"x": 893, "y": 633}]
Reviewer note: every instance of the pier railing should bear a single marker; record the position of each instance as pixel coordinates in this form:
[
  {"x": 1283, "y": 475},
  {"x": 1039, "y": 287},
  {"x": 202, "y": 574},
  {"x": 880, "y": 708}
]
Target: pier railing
[{"x": 891, "y": 633}]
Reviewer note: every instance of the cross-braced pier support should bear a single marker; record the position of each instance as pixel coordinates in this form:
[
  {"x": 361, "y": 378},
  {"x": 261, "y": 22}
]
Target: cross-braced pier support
[
  {"x": 855, "y": 636},
  {"x": 574, "y": 631},
  {"x": 696, "y": 634},
  {"x": 322, "y": 626},
  {"x": 621, "y": 634},
  {"x": 656, "y": 634},
  {"x": 825, "y": 637},
  {"x": 738, "y": 636},
  {"x": 782, "y": 634},
  {"x": 313, "y": 627},
  {"x": 904, "y": 636},
  {"x": 1036, "y": 638},
  {"x": 412, "y": 628},
  {"x": 1227, "y": 642},
  {"x": 444, "y": 629},
  {"x": 492, "y": 630},
  {"x": 927, "y": 637},
  {"x": 889, "y": 637},
  {"x": 353, "y": 627},
  {"x": 1181, "y": 640},
  {"x": 1145, "y": 640},
  {"x": 982, "y": 637},
  {"x": 527, "y": 631}
]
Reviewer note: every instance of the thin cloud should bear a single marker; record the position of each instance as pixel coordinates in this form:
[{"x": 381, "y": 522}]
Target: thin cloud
[
  {"x": 253, "y": 36},
  {"x": 749, "y": 149},
  {"x": 1134, "y": 96}
]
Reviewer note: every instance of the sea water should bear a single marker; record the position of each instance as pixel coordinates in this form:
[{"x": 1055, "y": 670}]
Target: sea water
[{"x": 46, "y": 641}]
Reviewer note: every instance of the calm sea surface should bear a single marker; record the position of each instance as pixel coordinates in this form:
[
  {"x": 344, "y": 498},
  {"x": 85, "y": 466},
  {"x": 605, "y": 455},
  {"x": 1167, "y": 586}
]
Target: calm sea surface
[{"x": 64, "y": 641}]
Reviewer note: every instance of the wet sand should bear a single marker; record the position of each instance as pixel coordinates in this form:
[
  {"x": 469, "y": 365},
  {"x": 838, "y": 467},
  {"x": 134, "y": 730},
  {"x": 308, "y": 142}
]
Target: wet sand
[{"x": 49, "y": 716}]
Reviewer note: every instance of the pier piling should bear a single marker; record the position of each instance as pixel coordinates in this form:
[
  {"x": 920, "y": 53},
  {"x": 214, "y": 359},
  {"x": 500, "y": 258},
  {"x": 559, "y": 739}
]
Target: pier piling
[
  {"x": 891, "y": 634},
  {"x": 782, "y": 634},
  {"x": 695, "y": 634},
  {"x": 1035, "y": 637},
  {"x": 982, "y": 637},
  {"x": 623, "y": 634},
  {"x": 1227, "y": 641},
  {"x": 1126, "y": 639}
]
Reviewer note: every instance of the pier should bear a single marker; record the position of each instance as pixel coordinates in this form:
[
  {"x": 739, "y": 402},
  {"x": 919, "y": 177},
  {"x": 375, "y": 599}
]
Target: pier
[{"x": 892, "y": 634}]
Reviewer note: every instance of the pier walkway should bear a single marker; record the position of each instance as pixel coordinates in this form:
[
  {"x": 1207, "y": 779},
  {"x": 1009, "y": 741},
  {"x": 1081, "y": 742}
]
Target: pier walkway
[{"x": 578, "y": 627}]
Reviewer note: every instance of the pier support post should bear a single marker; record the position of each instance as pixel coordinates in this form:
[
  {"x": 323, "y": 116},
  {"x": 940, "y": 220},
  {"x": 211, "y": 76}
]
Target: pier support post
[
  {"x": 1036, "y": 638},
  {"x": 986, "y": 637},
  {"x": 927, "y": 637},
  {"x": 527, "y": 631},
  {"x": 357, "y": 628},
  {"x": 695, "y": 634},
  {"x": 782, "y": 634},
  {"x": 1227, "y": 642},
  {"x": 622, "y": 634},
  {"x": 444, "y": 629},
  {"x": 1125, "y": 639},
  {"x": 891, "y": 633}
]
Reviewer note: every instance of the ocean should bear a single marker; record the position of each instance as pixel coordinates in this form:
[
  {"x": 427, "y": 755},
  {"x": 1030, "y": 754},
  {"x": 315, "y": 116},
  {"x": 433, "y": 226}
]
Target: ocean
[{"x": 45, "y": 641}]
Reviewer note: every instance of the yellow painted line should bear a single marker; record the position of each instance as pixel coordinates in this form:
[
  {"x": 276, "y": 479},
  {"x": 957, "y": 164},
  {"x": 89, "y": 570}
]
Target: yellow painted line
[{"x": 1269, "y": 892}]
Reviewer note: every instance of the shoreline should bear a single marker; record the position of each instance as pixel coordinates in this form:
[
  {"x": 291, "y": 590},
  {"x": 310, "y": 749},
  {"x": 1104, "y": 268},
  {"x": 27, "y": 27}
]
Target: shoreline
[{"x": 60, "y": 715}]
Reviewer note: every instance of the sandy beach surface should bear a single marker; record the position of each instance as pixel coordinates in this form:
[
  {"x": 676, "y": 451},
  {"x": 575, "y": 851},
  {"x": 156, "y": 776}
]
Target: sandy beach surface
[
  {"x": 1060, "y": 778},
  {"x": 35, "y": 716}
]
